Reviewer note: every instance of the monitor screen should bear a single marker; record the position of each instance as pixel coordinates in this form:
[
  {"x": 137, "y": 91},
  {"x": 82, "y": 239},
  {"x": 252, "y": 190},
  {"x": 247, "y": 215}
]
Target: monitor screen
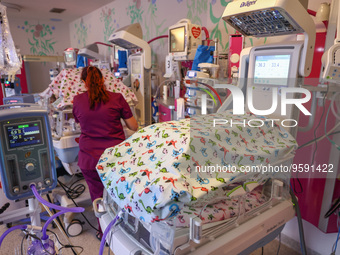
[
  {"x": 70, "y": 56},
  {"x": 136, "y": 66},
  {"x": 272, "y": 70},
  {"x": 24, "y": 134},
  {"x": 177, "y": 39}
]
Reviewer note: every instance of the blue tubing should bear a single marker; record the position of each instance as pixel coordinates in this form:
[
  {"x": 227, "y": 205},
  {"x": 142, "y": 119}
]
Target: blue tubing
[
  {"x": 56, "y": 207},
  {"x": 22, "y": 227},
  {"x": 45, "y": 236},
  {"x": 107, "y": 230}
]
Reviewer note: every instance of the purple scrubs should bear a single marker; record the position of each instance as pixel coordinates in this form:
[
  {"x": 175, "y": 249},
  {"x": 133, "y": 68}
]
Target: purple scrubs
[{"x": 100, "y": 129}]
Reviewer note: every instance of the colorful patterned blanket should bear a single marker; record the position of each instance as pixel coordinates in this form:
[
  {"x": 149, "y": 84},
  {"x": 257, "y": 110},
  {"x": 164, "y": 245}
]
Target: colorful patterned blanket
[
  {"x": 165, "y": 166},
  {"x": 67, "y": 85},
  {"x": 223, "y": 210}
]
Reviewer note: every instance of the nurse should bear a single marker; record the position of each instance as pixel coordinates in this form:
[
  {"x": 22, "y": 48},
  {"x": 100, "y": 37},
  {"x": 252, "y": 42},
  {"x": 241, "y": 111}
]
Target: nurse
[{"x": 99, "y": 112}]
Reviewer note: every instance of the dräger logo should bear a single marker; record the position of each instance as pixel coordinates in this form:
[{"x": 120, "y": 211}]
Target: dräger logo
[{"x": 248, "y": 3}]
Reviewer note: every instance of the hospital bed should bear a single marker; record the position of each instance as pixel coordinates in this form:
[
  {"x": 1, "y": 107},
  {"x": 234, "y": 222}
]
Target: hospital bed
[
  {"x": 183, "y": 220},
  {"x": 199, "y": 208}
]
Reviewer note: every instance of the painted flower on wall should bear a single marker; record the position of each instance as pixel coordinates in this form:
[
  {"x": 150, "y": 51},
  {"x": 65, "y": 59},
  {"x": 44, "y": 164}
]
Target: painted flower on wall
[
  {"x": 195, "y": 10},
  {"x": 134, "y": 12},
  {"x": 138, "y": 3},
  {"x": 39, "y": 38},
  {"x": 110, "y": 23},
  {"x": 81, "y": 33},
  {"x": 154, "y": 25}
]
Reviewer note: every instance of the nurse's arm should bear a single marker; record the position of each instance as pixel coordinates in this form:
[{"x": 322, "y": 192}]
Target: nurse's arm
[{"x": 131, "y": 123}]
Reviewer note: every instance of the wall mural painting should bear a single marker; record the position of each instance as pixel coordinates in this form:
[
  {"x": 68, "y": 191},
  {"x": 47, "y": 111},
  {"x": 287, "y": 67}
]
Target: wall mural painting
[
  {"x": 134, "y": 12},
  {"x": 110, "y": 23},
  {"x": 153, "y": 27},
  {"x": 40, "y": 38},
  {"x": 195, "y": 9},
  {"x": 217, "y": 32},
  {"x": 81, "y": 33}
]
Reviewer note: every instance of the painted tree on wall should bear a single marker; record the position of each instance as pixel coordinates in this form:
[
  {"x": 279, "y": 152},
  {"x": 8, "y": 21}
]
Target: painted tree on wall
[
  {"x": 153, "y": 27},
  {"x": 135, "y": 12},
  {"x": 110, "y": 23},
  {"x": 81, "y": 33},
  {"x": 217, "y": 32},
  {"x": 40, "y": 40},
  {"x": 195, "y": 9}
]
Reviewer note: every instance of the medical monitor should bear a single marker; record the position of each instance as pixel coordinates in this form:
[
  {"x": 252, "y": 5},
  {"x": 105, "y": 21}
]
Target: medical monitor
[
  {"x": 184, "y": 38},
  {"x": 26, "y": 150},
  {"x": 70, "y": 57},
  {"x": 271, "y": 68},
  {"x": 177, "y": 39}
]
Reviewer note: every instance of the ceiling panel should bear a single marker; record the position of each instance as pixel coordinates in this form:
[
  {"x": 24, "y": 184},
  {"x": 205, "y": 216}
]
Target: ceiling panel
[{"x": 40, "y": 9}]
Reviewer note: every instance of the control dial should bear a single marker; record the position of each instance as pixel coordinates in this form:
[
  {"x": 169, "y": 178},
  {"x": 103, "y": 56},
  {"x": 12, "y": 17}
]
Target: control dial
[{"x": 29, "y": 167}]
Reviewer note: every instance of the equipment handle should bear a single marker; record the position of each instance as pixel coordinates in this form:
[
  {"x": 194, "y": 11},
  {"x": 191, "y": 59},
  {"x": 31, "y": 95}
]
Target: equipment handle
[
  {"x": 7, "y": 106},
  {"x": 96, "y": 203}
]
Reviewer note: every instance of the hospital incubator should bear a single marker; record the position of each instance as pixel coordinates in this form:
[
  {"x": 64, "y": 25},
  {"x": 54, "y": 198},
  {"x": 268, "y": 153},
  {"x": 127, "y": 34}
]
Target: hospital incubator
[
  {"x": 166, "y": 199},
  {"x": 65, "y": 130}
]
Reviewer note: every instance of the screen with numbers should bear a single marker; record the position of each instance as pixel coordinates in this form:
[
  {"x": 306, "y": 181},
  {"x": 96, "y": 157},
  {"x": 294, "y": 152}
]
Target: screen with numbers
[
  {"x": 24, "y": 134},
  {"x": 272, "y": 70}
]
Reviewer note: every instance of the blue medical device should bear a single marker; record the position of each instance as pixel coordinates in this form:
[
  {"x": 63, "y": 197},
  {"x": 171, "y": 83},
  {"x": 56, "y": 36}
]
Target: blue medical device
[{"x": 26, "y": 150}]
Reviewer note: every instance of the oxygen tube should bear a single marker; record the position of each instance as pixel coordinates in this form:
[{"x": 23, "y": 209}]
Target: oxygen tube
[
  {"x": 107, "y": 230},
  {"x": 44, "y": 243}
]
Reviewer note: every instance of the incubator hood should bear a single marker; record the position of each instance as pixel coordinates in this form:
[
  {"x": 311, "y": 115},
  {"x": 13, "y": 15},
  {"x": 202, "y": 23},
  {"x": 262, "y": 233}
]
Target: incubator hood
[
  {"x": 91, "y": 51},
  {"x": 131, "y": 37},
  {"x": 266, "y": 18}
]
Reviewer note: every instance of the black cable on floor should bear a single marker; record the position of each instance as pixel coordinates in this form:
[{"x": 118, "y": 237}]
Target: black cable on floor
[
  {"x": 76, "y": 191},
  {"x": 66, "y": 246},
  {"x": 74, "y": 202},
  {"x": 59, "y": 221},
  {"x": 22, "y": 245}
]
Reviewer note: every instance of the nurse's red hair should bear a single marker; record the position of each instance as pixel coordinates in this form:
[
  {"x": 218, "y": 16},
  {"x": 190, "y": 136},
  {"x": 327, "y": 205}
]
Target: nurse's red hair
[{"x": 94, "y": 84}]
